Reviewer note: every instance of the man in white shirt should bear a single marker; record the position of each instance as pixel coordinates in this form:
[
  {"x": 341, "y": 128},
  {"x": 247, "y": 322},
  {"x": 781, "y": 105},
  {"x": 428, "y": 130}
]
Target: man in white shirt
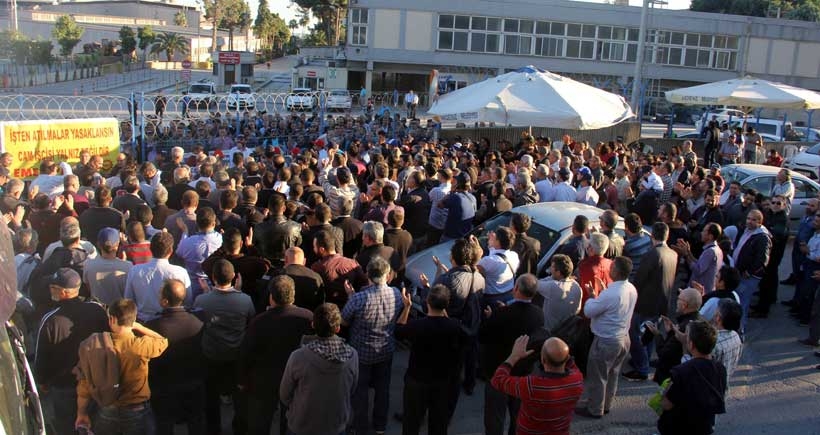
[
  {"x": 610, "y": 314},
  {"x": 586, "y": 194},
  {"x": 499, "y": 267},
  {"x": 563, "y": 190},
  {"x": 144, "y": 281},
  {"x": 653, "y": 181},
  {"x": 562, "y": 294},
  {"x": 543, "y": 184},
  {"x": 49, "y": 181}
]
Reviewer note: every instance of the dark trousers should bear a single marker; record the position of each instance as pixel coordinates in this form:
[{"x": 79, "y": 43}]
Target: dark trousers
[
  {"x": 771, "y": 277},
  {"x": 470, "y": 361},
  {"x": 496, "y": 406},
  {"x": 709, "y": 156},
  {"x": 422, "y": 398},
  {"x": 805, "y": 289},
  {"x": 60, "y": 409},
  {"x": 221, "y": 380},
  {"x": 376, "y": 376},
  {"x": 262, "y": 406},
  {"x": 638, "y": 352},
  {"x": 134, "y": 420},
  {"x": 179, "y": 403},
  {"x": 433, "y": 236}
]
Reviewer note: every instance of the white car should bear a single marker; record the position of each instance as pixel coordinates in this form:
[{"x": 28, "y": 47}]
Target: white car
[
  {"x": 339, "y": 99},
  {"x": 300, "y": 99},
  {"x": 722, "y": 115},
  {"x": 202, "y": 94},
  {"x": 241, "y": 97},
  {"x": 807, "y": 162}
]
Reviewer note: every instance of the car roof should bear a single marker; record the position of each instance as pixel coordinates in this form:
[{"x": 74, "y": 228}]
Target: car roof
[
  {"x": 302, "y": 89},
  {"x": 240, "y": 85},
  {"x": 764, "y": 170},
  {"x": 558, "y": 215}
]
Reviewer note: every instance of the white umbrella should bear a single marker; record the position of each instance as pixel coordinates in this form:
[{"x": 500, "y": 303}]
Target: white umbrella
[
  {"x": 747, "y": 92},
  {"x": 533, "y": 97}
]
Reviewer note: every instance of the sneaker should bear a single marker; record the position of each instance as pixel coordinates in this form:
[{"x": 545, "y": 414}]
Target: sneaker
[
  {"x": 634, "y": 376},
  {"x": 584, "y": 412}
]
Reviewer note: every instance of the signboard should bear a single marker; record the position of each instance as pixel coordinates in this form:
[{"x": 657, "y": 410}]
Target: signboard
[
  {"x": 229, "y": 57},
  {"x": 311, "y": 73},
  {"x": 62, "y": 140},
  {"x": 186, "y": 64},
  {"x": 185, "y": 75}
]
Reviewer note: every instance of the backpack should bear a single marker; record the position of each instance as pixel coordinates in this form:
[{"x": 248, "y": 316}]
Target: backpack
[{"x": 99, "y": 366}]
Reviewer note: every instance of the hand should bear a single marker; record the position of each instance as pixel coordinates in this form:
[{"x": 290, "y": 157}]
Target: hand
[
  {"x": 488, "y": 312},
  {"x": 425, "y": 282},
  {"x": 364, "y": 198},
  {"x": 652, "y": 327},
  {"x": 249, "y": 238},
  {"x": 519, "y": 350},
  {"x": 58, "y": 202},
  {"x": 33, "y": 191},
  {"x": 699, "y": 287},
  {"x": 69, "y": 201},
  {"x": 82, "y": 420},
  {"x": 667, "y": 323},
  {"x": 19, "y": 213},
  {"x": 349, "y": 288},
  {"x": 406, "y": 298},
  {"x": 203, "y": 284}
]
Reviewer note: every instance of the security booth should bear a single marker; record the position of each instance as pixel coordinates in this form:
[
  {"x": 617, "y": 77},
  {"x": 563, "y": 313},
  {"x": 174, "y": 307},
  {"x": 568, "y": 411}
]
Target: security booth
[
  {"x": 232, "y": 67},
  {"x": 320, "y": 74}
]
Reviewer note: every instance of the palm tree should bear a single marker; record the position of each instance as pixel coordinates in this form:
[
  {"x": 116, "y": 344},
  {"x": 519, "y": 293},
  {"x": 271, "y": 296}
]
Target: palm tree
[{"x": 171, "y": 43}]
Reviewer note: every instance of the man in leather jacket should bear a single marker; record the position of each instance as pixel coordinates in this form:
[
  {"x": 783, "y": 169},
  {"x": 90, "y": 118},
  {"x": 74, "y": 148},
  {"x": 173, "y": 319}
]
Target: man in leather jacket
[{"x": 277, "y": 233}]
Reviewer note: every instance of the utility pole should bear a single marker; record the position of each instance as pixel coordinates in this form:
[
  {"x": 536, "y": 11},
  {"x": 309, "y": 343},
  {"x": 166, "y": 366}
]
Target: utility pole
[
  {"x": 13, "y": 16},
  {"x": 637, "y": 77}
]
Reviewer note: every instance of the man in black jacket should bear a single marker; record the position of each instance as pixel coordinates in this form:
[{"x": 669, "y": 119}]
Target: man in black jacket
[
  {"x": 528, "y": 248},
  {"x": 501, "y": 327},
  {"x": 310, "y": 288},
  {"x": 670, "y": 348},
  {"x": 350, "y": 226},
  {"x": 751, "y": 255},
  {"x": 276, "y": 234},
  {"x": 270, "y": 339},
  {"x": 400, "y": 240},
  {"x": 318, "y": 219},
  {"x": 177, "y": 376},
  {"x": 416, "y": 203},
  {"x": 373, "y": 245}
]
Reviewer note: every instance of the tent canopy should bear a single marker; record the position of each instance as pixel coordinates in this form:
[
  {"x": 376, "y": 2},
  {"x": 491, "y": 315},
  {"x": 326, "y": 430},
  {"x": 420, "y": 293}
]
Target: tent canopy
[
  {"x": 531, "y": 96},
  {"x": 746, "y": 92}
]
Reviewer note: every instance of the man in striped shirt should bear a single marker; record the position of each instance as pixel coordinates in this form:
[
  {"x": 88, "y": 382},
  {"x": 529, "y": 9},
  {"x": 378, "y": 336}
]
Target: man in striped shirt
[{"x": 548, "y": 397}]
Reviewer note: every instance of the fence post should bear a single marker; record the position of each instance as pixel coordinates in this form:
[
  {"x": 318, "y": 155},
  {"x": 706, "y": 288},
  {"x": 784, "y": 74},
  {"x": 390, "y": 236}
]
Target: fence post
[
  {"x": 142, "y": 125},
  {"x": 132, "y": 114},
  {"x": 20, "y": 98},
  {"x": 808, "y": 126}
]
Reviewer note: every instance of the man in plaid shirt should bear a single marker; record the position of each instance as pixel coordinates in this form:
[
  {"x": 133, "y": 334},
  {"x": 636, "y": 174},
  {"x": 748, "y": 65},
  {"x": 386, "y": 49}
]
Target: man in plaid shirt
[{"x": 371, "y": 313}]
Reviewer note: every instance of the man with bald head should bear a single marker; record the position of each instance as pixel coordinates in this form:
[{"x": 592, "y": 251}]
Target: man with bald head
[
  {"x": 176, "y": 377},
  {"x": 309, "y": 284},
  {"x": 549, "y": 395},
  {"x": 670, "y": 349},
  {"x": 751, "y": 255}
]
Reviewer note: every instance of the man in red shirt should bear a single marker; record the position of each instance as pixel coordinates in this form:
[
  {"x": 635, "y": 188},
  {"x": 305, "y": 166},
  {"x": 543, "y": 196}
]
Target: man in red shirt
[
  {"x": 594, "y": 268},
  {"x": 548, "y": 397},
  {"x": 335, "y": 269},
  {"x": 775, "y": 159}
]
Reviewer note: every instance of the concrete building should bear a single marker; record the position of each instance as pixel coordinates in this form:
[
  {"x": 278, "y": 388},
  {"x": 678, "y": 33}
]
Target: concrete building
[{"x": 395, "y": 44}]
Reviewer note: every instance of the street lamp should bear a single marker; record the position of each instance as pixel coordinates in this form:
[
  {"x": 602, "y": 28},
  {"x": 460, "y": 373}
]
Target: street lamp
[{"x": 639, "y": 58}]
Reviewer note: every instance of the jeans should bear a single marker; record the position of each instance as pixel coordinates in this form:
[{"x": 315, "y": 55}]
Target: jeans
[
  {"x": 136, "y": 420},
  {"x": 376, "y": 376},
  {"x": 496, "y": 406},
  {"x": 639, "y": 353},
  {"x": 262, "y": 406},
  {"x": 220, "y": 379},
  {"x": 179, "y": 403},
  {"x": 422, "y": 398},
  {"x": 745, "y": 291},
  {"x": 60, "y": 409}
]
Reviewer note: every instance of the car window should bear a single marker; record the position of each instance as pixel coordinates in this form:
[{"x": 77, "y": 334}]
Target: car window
[
  {"x": 762, "y": 184},
  {"x": 733, "y": 174},
  {"x": 803, "y": 189},
  {"x": 241, "y": 90},
  {"x": 545, "y": 235},
  {"x": 815, "y": 149},
  {"x": 200, "y": 89},
  {"x": 339, "y": 93},
  {"x": 766, "y": 128}
]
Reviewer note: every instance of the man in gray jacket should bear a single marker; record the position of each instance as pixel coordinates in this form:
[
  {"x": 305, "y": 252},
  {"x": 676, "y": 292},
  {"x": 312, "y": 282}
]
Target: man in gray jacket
[{"x": 321, "y": 375}]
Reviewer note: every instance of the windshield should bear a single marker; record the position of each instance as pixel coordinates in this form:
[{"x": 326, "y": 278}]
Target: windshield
[
  {"x": 339, "y": 94},
  {"x": 733, "y": 174},
  {"x": 547, "y": 236},
  {"x": 815, "y": 149},
  {"x": 241, "y": 90},
  {"x": 200, "y": 89}
]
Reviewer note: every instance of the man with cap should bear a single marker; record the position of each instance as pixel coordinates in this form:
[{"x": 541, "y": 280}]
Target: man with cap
[
  {"x": 58, "y": 342},
  {"x": 586, "y": 194},
  {"x": 563, "y": 190},
  {"x": 105, "y": 275}
]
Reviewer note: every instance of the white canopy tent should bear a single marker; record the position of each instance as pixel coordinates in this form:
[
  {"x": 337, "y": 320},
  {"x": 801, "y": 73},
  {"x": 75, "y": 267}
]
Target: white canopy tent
[
  {"x": 746, "y": 92},
  {"x": 533, "y": 97}
]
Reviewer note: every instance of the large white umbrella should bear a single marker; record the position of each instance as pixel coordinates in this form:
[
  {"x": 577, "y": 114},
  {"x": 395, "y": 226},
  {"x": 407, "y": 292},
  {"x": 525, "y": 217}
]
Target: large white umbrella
[
  {"x": 533, "y": 97},
  {"x": 747, "y": 92}
]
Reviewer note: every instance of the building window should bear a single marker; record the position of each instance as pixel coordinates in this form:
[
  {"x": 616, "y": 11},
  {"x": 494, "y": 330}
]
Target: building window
[{"x": 358, "y": 26}]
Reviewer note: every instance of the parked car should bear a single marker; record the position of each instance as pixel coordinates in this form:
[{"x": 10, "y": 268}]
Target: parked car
[
  {"x": 339, "y": 99},
  {"x": 694, "y": 135},
  {"x": 551, "y": 224},
  {"x": 762, "y": 179},
  {"x": 300, "y": 99},
  {"x": 241, "y": 96},
  {"x": 723, "y": 115},
  {"x": 813, "y": 134},
  {"x": 807, "y": 162},
  {"x": 202, "y": 94}
]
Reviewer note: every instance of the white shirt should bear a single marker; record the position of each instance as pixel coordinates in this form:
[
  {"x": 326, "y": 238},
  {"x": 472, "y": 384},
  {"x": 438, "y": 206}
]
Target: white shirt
[
  {"x": 653, "y": 181},
  {"x": 611, "y": 311},
  {"x": 211, "y": 182},
  {"x": 499, "y": 276},
  {"x": 565, "y": 192},
  {"x": 587, "y": 195},
  {"x": 51, "y": 185},
  {"x": 546, "y": 191},
  {"x": 144, "y": 283}
]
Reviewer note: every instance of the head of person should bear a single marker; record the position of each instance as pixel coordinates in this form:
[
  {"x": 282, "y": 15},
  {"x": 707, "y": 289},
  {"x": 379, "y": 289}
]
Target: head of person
[
  {"x": 561, "y": 266},
  {"x": 162, "y": 245},
  {"x": 689, "y": 301},
  {"x": 633, "y": 223},
  {"x": 372, "y": 233},
  {"x": 108, "y": 240},
  {"x": 327, "y": 320},
  {"x": 520, "y": 223},
  {"x": 554, "y": 355},
  {"x": 463, "y": 253},
  {"x": 711, "y": 232},
  {"x": 182, "y": 175},
  {"x": 205, "y": 219},
  {"x": 525, "y": 287},
  {"x": 69, "y": 231},
  {"x": 701, "y": 338},
  {"x": 160, "y": 195},
  {"x": 728, "y": 279},
  {"x": 64, "y": 284},
  {"x": 597, "y": 244},
  {"x": 190, "y": 200},
  {"x": 282, "y": 291},
  {"x": 395, "y": 219},
  {"x": 734, "y": 189},
  {"x": 324, "y": 243},
  {"x": 222, "y": 273},
  {"x": 122, "y": 314},
  {"x": 378, "y": 270},
  {"x": 103, "y": 196},
  {"x": 620, "y": 269},
  {"x": 660, "y": 232},
  {"x": 502, "y": 238},
  {"x": 608, "y": 220},
  {"x": 294, "y": 255},
  {"x": 438, "y": 299},
  {"x": 580, "y": 225},
  {"x": 25, "y": 241},
  {"x": 172, "y": 293},
  {"x": 754, "y": 220},
  {"x": 668, "y": 212},
  {"x": 779, "y": 204},
  {"x": 784, "y": 176}
]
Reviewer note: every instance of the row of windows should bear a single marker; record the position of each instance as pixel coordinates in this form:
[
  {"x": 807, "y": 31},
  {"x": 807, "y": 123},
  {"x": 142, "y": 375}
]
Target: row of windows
[{"x": 358, "y": 26}]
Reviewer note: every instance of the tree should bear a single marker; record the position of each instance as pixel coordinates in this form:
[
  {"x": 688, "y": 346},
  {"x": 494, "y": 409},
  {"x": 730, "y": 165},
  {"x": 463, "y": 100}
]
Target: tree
[
  {"x": 213, "y": 14},
  {"x": 67, "y": 33},
  {"x": 236, "y": 14},
  {"x": 806, "y": 10},
  {"x": 181, "y": 19},
  {"x": 147, "y": 37},
  {"x": 128, "y": 41},
  {"x": 171, "y": 43},
  {"x": 329, "y": 13}
]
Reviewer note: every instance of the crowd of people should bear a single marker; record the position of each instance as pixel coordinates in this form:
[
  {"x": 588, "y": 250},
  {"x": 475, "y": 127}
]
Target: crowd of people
[{"x": 270, "y": 276}]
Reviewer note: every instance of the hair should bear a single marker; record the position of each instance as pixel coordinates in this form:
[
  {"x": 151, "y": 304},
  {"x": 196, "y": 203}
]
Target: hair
[
  {"x": 222, "y": 272},
  {"x": 135, "y": 231},
  {"x": 160, "y": 195},
  {"x": 396, "y": 218},
  {"x": 730, "y": 314},
  {"x": 505, "y": 237},
  {"x": 103, "y": 196},
  {"x": 343, "y": 176},
  {"x": 377, "y": 270},
  {"x": 462, "y": 253},
  {"x": 190, "y": 199},
  {"x": 730, "y": 277},
  {"x": 325, "y": 240},
  {"x": 660, "y": 231},
  {"x": 520, "y": 222},
  {"x": 276, "y": 203},
  {"x": 388, "y": 193},
  {"x": 702, "y": 335},
  {"x": 143, "y": 214},
  {"x": 282, "y": 289},
  {"x": 232, "y": 239},
  {"x": 203, "y": 188},
  {"x": 323, "y": 213},
  {"x": 25, "y": 239},
  {"x": 527, "y": 285},
  {"x": 229, "y": 199},
  {"x": 439, "y": 297},
  {"x": 169, "y": 292},
  {"x": 374, "y": 231},
  {"x": 580, "y": 224},
  {"x": 609, "y": 218},
  {"x": 714, "y": 230},
  {"x": 563, "y": 264},
  {"x": 326, "y": 320},
  {"x": 622, "y": 266},
  {"x": 131, "y": 184},
  {"x": 599, "y": 243},
  {"x": 633, "y": 223},
  {"x": 162, "y": 245},
  {"x": 205, "y": 218},
  {"x": 125, "y": 311},
  {"x": 671, "y": 210}
]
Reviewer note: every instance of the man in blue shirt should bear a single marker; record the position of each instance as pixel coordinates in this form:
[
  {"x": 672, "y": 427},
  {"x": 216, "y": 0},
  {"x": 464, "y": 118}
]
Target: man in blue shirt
[
  {"x": 461, "y": 207},
  {"x": 804, "y": 233}
]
